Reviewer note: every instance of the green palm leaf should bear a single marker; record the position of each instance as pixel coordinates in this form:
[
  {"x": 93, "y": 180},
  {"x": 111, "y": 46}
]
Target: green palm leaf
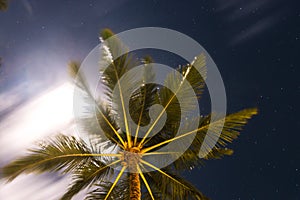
[
  {"x": 188, "y": 77},
  {"x": 103, "y": 115},
  {"x": 88, "y": 174},
  {"x": 121, "y": 191},
  {"x": 166, "y": 188},
  {"x": 233, "y": 124},
  {"x": 116, "y": 66},
  {"x": 61, "y": 153}
]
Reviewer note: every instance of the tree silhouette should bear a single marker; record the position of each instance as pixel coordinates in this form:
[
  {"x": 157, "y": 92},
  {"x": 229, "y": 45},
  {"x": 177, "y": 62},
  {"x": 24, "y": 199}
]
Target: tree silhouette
[{"x": 93, "y": 164}]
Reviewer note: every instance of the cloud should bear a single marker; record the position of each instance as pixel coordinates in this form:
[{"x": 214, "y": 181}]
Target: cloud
[
  {"x": 28, "y": 7},
  {"x": 255, "y": 29},
  {"x": 44, "y": 115},
  {"x": 11, "y": 99},
  {"x": 34, "y": 187},
  {"x": 245, "y": 20},
  {"x": 246, "y": 10},
  {"x": 48, "y": 113}
]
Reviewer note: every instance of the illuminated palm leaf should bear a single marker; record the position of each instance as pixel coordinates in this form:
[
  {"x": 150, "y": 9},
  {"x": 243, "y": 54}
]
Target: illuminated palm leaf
[
  {"x": 233, "y": 124},
  {"x": 121, "y": 191},
  {"x": 64, "y": 153},
  {"x": 166, "y": 188},
  {"x": 103, "y": 116},
  {"x": 181, "y": 83},
  {"x": 88, "y": 174}
]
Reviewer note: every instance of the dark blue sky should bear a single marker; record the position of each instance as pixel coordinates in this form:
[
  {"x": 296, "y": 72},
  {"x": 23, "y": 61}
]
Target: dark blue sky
[{"x": 254, "y": 43}]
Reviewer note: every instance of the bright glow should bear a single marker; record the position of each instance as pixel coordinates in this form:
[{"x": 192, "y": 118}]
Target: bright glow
[
  {"x": 48, "y": 113},
  {"x": 44, "y": 115}
]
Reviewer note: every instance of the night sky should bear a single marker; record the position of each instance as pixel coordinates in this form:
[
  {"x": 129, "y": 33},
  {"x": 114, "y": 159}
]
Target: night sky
[{"x": 255, "y": 44}]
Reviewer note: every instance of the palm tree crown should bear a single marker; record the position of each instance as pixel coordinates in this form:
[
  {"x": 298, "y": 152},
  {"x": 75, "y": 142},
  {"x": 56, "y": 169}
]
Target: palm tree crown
[{"x": 113, "y": 164}]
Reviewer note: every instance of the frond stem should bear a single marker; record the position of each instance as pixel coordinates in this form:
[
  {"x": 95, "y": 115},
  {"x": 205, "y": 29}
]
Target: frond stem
[
  {"x": 162, "y": 172},
  {"x": 115, "y": 182},
  {"x": 123, "y": 108},
  {"x": 145, "y": 181},
  {"x": 173, "y": 139},
  {"x": 140, "y": 119},
  {"x": 162, "y": 112}
]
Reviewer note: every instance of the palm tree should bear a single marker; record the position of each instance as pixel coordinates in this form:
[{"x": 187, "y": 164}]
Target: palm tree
[{"x": 94, "y": 163}]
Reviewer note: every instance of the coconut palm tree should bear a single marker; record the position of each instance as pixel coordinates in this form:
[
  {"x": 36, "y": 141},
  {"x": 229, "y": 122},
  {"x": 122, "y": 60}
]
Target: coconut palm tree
[{"x": 111, "y": 163}]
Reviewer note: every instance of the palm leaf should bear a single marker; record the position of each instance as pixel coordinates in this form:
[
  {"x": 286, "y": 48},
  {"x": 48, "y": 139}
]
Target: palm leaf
[
  {"x": 61, "y": 153},
  {"x": 196, "y": 74},
  {"x": 232, "y": 127},
  {"x": 218, "y": 153},
  {"x": 166, "y": 188},
  {"x": 88, "y": 174},
  {"x": 178, "y": 86},
  {"x": 116, "y": 65},
  {"x": 143, "y": 98},
  {"x": 103, "y": 115},
  {"x": 121, "y": 191},
  {"x": 233, "y": 124}
]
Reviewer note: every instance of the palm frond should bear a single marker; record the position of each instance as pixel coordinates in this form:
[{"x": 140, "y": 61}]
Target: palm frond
[
  {"x": 166, "y": 188},
  {"x": 232, "y": 127},
  {"x": 118, "y": 64},
  {"x": 143, "y": 98},
  {"x": 177, "y": 98},
  {"x": 233, "y": 124},
  {"x": 103, "y": 115},
  {"x": 196, "y": 74},
  {"x": 115, "y": 182},
  {"x": 61, "y": 153},
  {"x": 121, "y": 191},
  {"x": 88, "y": 174},
  {"x": 218, "y": 153}
]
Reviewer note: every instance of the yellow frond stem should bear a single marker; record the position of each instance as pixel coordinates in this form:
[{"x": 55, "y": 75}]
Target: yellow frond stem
[
  {"x": 160, "y": 153},
  {"x": 162, "y": 172},
  {"x": 124, "y": 111},
  {"x": 73, "y": 155},
  {"x": 102, "y": 168},
  {"x": 244, "y": 115},
  {"x": 170, "y": 140},
  {"x": 145, "y": 181},
  {"x": 111, "y": 126},
  {"x": 161, "y": 113},
  {"x": 115, "y": 182},
  {"x": 140, "y": 119}
]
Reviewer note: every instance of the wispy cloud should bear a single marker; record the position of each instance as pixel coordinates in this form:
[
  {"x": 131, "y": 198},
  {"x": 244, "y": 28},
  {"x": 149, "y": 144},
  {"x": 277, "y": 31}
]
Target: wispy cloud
[
  {"x": 254, "y": 30},
  {"x": 239, "y": 10},
  {"x": 46, "y": 114},
  {"x": 34, "y": 187},
  {"x": 246, "y": 20},
  {"x": 28, "y": 7},
  {"x": 11, "y": 99}
]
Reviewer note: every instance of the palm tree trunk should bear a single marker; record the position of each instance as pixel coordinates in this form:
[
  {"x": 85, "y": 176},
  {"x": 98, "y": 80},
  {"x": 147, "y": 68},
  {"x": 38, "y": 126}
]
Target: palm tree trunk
[{"x": 135, "y": 186}]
